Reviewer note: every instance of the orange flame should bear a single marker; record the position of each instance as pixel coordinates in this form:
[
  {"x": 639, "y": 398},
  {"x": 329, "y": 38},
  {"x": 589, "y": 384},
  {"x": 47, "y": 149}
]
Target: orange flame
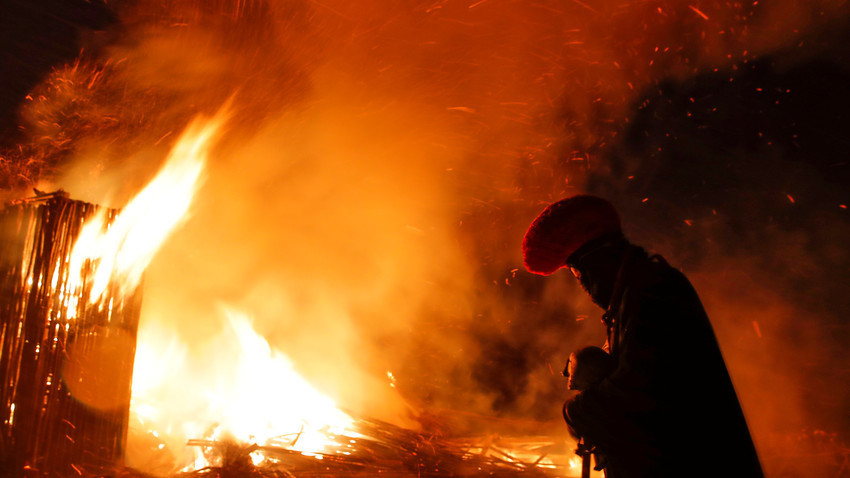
[
  {"x": 240, "y": 388},
  {"x": 124, "y": 250}
]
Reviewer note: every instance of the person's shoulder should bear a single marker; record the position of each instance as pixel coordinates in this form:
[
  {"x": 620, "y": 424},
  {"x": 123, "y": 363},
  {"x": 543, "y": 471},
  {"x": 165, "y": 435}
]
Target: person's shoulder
[
  {"x": 650, "y": 272},
  {"x": 658, "y": 280}
]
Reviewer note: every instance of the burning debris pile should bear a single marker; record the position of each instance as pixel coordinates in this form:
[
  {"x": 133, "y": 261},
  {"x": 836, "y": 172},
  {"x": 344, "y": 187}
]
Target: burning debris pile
[
  {"x": 380, "y": 448},
  {"x": 67, "y": 348},
  {"x": 259, "y": 417},
  {"x": 391, "y": 451}
]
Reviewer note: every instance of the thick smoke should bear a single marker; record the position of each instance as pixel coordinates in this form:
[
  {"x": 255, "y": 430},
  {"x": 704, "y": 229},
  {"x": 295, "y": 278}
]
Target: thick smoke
[{"x": 367, "y": 203}]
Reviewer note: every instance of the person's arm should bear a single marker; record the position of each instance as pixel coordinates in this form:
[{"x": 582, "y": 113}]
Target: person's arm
[{"x": 606, "y": 413}]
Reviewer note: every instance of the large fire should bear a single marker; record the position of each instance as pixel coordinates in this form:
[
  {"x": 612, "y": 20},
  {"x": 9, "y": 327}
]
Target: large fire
[
  {"x": 236, "y": 388},
  {"x": 245, "y": 390}
]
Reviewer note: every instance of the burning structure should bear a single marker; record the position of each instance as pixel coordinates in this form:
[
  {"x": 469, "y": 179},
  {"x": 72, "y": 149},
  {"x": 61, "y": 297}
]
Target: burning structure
[
  {"x": 70, "y": 311},
  {"x": 66, "y": 360},
  {"x": 363, "y": 209}
]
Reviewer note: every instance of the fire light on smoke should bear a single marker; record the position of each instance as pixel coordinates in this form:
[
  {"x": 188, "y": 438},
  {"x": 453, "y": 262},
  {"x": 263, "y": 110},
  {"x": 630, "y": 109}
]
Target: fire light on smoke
[
  {"x": 242, "y": 389},
  {"x": 124, "y": 250}
]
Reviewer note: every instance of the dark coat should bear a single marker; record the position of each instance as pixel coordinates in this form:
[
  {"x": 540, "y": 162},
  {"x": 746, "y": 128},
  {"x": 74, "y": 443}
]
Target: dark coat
[{"x": 669, "y": 408}]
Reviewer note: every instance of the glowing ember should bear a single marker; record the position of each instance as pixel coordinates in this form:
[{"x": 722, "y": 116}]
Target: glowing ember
[
  {"x": 575, "y": 463},
  {"x": 698, "y": 12}
]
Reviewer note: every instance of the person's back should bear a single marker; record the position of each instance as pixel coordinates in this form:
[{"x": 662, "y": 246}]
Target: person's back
[{"x": 695, "y": 411}]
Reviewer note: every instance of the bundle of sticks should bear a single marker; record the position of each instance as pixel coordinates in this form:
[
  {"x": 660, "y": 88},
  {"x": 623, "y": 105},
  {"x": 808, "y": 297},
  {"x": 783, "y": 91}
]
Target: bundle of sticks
[{"x": 65, "y": 363}]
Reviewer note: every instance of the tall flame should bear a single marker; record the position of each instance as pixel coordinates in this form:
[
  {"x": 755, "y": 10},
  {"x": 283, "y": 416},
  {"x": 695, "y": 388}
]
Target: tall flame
[
  {"x": 124, "y": 250},
  {"x": 243, "y": 388}
]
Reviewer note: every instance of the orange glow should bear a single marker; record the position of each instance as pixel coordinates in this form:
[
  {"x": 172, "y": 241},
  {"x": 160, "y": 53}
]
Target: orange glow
[
  {"x": 94, "y": 370},
  {"x": 124, "y": 250},
  {"x": 383, "y": 160},
  {"x": 575, "y": 463},
  {"x": 240, "y": 388},
  {"x": 698, "y": 12}
]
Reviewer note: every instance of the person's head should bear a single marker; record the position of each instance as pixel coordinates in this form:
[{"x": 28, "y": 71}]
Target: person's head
[
  {"x": 586, "y": 367},
  {"x": 582, "y": 233}
]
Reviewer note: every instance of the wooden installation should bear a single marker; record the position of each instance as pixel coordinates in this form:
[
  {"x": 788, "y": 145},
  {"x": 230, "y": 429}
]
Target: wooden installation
[{"x": 66, "y": 362}]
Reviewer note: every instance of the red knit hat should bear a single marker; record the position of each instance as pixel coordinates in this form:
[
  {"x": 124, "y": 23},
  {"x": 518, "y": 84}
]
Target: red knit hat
[{"x": 563, "y": 227}]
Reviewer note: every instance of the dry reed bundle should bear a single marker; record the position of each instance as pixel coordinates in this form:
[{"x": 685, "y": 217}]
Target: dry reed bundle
[{"x": 65, "y": 363}]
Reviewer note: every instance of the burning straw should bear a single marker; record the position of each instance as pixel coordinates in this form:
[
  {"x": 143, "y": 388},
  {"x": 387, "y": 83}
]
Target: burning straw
[
  {"x": 69, "y": 310},
  {"x": 65, "y": 360},
  {"x": 382, "y": 449}
]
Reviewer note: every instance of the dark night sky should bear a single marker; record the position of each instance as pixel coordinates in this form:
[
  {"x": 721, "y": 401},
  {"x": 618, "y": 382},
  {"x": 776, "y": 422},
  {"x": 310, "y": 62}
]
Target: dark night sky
[{"x": 35, "y": 36}]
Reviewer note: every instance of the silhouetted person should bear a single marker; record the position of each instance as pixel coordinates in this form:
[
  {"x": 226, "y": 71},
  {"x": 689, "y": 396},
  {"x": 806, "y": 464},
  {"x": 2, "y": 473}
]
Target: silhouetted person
[{"x": 669, "y": 407}]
